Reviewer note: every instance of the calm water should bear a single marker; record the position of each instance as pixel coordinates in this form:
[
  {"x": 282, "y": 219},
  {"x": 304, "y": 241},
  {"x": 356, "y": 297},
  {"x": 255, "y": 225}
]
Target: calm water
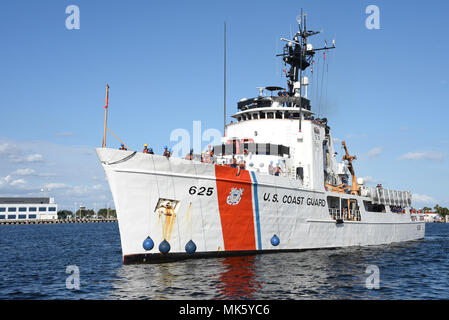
[{"x": 33, "y": 261}]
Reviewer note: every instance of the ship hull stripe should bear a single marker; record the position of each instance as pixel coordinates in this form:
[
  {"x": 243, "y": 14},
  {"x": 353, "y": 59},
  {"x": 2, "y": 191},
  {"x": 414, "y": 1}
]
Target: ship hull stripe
[
  {"x": 256, "y": 209},
  {"x": 235, "y": 208}
]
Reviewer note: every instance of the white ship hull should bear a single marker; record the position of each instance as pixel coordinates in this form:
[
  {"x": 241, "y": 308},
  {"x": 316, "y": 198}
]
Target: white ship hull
[{"x": 226, "y": 214}]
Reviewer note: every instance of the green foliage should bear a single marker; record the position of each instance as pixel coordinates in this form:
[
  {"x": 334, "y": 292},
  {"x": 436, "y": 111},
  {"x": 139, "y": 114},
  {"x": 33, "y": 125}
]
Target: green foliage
[
  {"x": 442, "y": 211},
  {"x": 85, "y": 213},
  {"x": 104, "y": 213},
  {"x": 88, "y": 213},
  {"x": 64, "y": 214}
]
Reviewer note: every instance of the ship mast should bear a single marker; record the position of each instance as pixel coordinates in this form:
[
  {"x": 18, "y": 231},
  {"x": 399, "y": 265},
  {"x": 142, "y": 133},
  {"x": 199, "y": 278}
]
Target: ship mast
[{"x": 298, "y": 54}]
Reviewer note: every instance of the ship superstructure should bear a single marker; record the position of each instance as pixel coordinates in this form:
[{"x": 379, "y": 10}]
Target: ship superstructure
[{"x": 273, "y": 184}]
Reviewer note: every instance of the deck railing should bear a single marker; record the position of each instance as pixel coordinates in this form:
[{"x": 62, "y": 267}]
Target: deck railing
[
  {"x": 337, "y": 214},
  {"x": 387, "y": 197}
]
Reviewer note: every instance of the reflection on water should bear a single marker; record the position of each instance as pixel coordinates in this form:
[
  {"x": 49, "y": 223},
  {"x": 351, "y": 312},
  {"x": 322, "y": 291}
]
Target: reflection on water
[
  {"x": 412, "y": 270},
  {"x": 315, "y": 274},
  {"x": 238, "y": 278}
]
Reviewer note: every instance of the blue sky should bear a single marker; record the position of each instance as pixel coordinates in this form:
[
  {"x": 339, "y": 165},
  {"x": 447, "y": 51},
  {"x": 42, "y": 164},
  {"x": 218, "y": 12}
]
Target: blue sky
[{"x": 385, "y": 92}]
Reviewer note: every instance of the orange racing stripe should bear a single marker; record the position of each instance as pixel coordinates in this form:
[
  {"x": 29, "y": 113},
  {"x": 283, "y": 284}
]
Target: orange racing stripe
[{"x": 236, "y": 208}]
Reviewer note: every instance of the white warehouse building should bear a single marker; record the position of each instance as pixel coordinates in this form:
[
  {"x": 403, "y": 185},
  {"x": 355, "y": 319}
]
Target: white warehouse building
[{"x": 28, "y": 208}]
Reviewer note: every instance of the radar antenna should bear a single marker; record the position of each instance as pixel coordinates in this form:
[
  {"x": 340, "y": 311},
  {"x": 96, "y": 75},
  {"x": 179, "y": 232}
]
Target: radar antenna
[{"x": 299, "y": 55}]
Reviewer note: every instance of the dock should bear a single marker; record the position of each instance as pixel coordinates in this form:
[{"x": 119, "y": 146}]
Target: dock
[{"x": 55, "y": 221}]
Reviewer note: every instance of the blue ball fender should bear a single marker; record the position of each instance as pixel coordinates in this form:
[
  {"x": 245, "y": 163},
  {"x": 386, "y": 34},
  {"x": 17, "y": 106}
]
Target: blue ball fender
[
  {"x": 190, "y": 247},
  {"x": 275, "y": 240},
  {"x": 148, "y": 244},
  {"x": 164, "y": 247}
]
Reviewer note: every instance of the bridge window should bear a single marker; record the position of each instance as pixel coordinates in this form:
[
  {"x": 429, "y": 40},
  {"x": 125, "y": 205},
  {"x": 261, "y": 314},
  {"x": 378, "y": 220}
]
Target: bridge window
[{"x": 237, "y": 148}]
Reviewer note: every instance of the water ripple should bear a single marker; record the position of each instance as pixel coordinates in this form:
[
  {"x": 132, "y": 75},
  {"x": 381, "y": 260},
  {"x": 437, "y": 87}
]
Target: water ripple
[{"x": 34, "y": 258}]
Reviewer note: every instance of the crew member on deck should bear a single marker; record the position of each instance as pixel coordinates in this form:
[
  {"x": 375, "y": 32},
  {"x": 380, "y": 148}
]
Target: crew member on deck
[
  {"x": 189, "y": 156},
  {"x": 211, "y": 156},
  {"x": 234, "y": 163},
  {"x": 167, "y": 152},
  {"x": 271, "y": 168},
  {"x": 122, "y": 147},
  {"x": 277, "y": 171},
  {"x": 145, "y": 148},
  {"x": 242, "y": 164}
]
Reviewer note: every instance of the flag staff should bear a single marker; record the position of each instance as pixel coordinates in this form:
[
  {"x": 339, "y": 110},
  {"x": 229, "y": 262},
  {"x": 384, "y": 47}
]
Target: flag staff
[
  {"x": 105, "y": 115},
  {"x": 224, "y": 84}
]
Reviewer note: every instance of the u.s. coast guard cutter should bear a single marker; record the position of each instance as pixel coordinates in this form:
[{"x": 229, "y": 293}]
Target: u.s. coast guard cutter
[{"x": 273, "y": 185}]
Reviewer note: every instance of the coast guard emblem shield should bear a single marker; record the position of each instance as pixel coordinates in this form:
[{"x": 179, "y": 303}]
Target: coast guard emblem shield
[{"x": 234, "y": 196}]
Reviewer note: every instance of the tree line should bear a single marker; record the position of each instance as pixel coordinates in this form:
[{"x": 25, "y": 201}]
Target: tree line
[
  {"x": 441, "y": 211},
  {"x": 88, "y": 213}
]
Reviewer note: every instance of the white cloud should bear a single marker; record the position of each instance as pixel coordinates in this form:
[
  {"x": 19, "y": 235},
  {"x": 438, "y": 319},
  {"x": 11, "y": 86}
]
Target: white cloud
[
  {"x": 29, "y": 158},
  {"x": 52, "y": 186},
  {"x": 374, "y": 152},
  {"x": 3, "y": 148},
  {"x": 34, "y": 158},
  {"x": 8, "y": 183},
  {"x": 47, "y": 175},
  {"x": 9, "y": 149},
  {"x": 369, "y": 179},
  {"x": 24, "y": 172},
  {"x": 27, "y": 166},
  {"x": 17, "y": 182},
  {"x": 422, "y": 198},
  {"x": 80, "y": 190},
  {"x": 434, "y": 156}
]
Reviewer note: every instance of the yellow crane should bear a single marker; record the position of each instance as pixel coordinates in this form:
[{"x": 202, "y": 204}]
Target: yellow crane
[
  {"x": 355, "y": 189},
  {"x": 341, "y": 188}
]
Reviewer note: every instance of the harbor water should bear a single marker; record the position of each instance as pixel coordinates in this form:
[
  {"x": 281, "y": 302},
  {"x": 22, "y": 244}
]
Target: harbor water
[{"x": 36, "y": 263}]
